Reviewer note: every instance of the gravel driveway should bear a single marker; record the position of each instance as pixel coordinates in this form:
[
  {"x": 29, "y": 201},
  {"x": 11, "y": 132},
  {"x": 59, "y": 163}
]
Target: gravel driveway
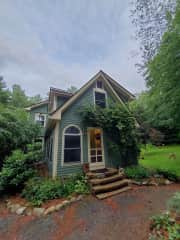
[{"x": 122, "y": 217}]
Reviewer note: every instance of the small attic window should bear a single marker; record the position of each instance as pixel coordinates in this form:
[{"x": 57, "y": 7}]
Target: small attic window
[{"x": 99, "y": 84}]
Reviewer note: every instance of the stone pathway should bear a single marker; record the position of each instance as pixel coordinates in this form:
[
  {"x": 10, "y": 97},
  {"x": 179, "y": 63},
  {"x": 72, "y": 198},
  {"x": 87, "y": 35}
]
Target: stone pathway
[{"x": 122, "y": 217}]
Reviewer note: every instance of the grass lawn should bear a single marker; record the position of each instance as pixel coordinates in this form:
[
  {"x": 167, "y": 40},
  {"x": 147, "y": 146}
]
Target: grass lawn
[{"x": 159, "y": 157}]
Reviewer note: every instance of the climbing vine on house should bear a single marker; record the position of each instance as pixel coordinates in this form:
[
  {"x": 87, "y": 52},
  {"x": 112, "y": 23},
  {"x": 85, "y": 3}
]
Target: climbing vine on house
[{"x": 119, "y": 126}]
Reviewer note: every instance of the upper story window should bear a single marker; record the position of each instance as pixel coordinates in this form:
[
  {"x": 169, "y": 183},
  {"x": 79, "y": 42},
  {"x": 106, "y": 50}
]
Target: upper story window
[
  {"x": 100, "y": 98},
  {"x": 99, "y": 84},
  {"x": 40, "y": 118}
]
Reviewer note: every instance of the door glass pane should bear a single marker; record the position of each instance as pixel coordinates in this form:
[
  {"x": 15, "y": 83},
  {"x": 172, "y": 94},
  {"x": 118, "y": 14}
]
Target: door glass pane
[
  {"x": 93, "y": 152},
  {"x": 93, "y": 159},
  {"x": 95, "y": 138},
  {"x": 99, "y": 152},
  {"x": 99, "y": 158}
]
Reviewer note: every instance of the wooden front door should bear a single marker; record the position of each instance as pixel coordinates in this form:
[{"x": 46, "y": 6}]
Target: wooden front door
[{"x": 96, "y": 150}]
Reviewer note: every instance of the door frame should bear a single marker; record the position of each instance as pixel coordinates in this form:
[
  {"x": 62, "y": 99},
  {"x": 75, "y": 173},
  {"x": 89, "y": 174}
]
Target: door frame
[{"x": 97, "y": 165}]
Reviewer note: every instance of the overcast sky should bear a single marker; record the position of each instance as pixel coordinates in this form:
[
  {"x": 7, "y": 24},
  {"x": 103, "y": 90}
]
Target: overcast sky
[{"x": 61, "y": 43}]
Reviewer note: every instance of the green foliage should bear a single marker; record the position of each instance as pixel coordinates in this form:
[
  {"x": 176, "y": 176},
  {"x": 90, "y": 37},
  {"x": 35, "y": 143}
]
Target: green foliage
[
  {"x": 34, "y": 152},
  {"x": 17, "y": 169},
  {"x": 169, "y": 174},
  {"x": 119, "y": 125},
  {"x": 4, "y": 93},
  {"x": 38, "y": 190},
  {"x": 166, "y": 223},
  {"x": 16, "y": 130},
  {"x": 174, "y": 203},
  {"x": 161, "y": 221},
  {"x": 137, "y": 172}
]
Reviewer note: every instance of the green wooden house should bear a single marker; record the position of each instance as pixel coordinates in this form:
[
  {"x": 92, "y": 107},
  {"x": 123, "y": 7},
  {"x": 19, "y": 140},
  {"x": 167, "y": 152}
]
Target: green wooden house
[{"x": 68, "y": 143}]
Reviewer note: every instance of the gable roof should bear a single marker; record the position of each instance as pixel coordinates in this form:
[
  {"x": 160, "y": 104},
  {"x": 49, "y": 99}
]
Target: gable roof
[
  {"x": 44, "y": 102},
  {"x": 56, "y": 115}
]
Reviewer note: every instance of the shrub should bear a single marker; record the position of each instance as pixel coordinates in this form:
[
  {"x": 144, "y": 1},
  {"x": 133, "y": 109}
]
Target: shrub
[
  {"x": 38, "y": 190},
  {"x": 16, "y": 131},
  {"x": 137, "y": 172},
  {"x": 174, "y": 203},
  {"x": 169, "y": 174},
  {"x": 164, "y": 225},
  {"x": 161, "y": 221},
  {"x": 17, "y": 169},
  {"x": 34, "y": 152}
]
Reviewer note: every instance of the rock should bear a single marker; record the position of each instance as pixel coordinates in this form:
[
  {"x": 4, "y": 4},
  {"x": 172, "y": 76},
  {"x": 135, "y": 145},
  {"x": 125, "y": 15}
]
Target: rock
[
  {"x": 14, "y": 207},
  {"x": 79, "y": 198},
  {"x": 136, "y": 183},
  {"x": 145, "y": 183},
  {"x": 20, "y": 210},
  {"x": 167, "y": 182},
  {"x": 38, "y": 211},
  {"x": 73, "y": 199},
  {"x": 58, "y": 206},
  {"x": 28, "y": 212},
  {"x": 152, "y": 183},
  {"x": 50, "y": 210},
  {"x": 65, "y": 203}
]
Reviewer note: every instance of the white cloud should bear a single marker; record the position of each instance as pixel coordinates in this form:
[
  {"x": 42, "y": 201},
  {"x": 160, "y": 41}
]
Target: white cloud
[{"x": 62, "y": 43}]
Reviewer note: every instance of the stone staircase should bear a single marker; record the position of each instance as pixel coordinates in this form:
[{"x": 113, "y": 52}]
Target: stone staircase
[{"x": 107, "y": 182}]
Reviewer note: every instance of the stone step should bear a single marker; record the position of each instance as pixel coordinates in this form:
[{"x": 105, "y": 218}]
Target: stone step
[
  {"x": 99, "y": 175},
  {"x": 106, "y": 180},
  {"x": 110, "y": 186},
  {"x": 112, "y": 193}
]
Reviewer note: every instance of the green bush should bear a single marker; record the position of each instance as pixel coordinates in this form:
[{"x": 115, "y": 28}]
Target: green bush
[
  {"x": 39, "y": 190},
  {"x": 174, "y": 203},
  {"x": 16, "y": 131},
  {"x": 34, "y": 152},
  {"x": 137, "y": 172},
  {"x": 164, "y": 222},
  {"x": 17, "y": 169},
  {"x": 169, "y": 174}
]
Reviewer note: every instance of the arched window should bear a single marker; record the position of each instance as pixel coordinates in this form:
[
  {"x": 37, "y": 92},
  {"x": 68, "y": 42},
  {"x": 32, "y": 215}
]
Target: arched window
[{"x": 72, "y": 145}]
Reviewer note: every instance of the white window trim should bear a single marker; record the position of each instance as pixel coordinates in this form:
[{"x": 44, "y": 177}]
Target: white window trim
[
  {"x": 102, "y": 84},
  {"x": 101, "y": 91},
  {"x": 63, "y": 143},
  {"x": 101, "y": 164},
  {"x": 36, "y": 118}
]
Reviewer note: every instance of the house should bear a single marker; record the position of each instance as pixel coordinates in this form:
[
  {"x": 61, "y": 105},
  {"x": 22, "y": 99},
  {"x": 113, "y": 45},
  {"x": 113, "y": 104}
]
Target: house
[{"x": 68, "y": 143}]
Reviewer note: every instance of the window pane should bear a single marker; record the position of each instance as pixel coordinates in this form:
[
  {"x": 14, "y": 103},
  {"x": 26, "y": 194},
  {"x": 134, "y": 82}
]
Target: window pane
[
  {"x": 99, "y": 152},
  {"x": 93, "y": 152},
  {"x": 72, "y": 141},
  {"x": 99, "y": 158},
  {"x": 99, "y": 84},
  {"x": 72, "y": 130},
  {"x": 100, "y": 99},
  {"x": 72, "y": 155},
  {"x": 93, "y": 159}
]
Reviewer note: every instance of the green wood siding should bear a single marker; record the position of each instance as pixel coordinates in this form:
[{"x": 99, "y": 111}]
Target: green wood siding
[{"x": 72, "y": 116}]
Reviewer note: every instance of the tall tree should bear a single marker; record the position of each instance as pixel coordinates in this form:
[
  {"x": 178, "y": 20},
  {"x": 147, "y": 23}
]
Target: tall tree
[
  {"x": 72, "y": 89},
  {"x": 4, "y": 93},
  {"x": 150, "y": 18},
  {"x": 164, "y": 72},
  {"x": 18, "y": 97}
]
